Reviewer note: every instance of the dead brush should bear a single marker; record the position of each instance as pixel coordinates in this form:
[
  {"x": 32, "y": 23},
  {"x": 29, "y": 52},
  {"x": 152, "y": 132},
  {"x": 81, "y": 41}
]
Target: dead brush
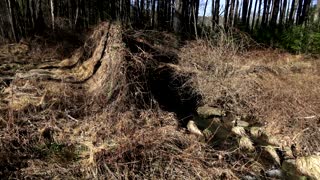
[
  {"x": 278, "y": 91},
  {"x": 87, "y": 107},
  {"x": 145, "y": 146}
]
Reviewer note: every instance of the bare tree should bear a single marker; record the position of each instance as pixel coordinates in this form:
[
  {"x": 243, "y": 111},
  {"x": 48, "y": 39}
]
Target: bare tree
[
  {"x": 204, "y": 12},
  {"x": 52, "y": 13},
  {"x": 305, "y": 9},
  {"x": 215, "y": 12},
  {"x": 317, "y": 13},
  {"x": 231, "y": 14},
  {"x": 249, "y": 14},
  {"x": 254, "y": 15},
  {"x": 275, "y": 12},
  {"x": 11, "y": 19},
  {"x": 244, "y": 11},
  {"x": 283, "y": 11},
  {"x": 177, "y": 16},
  {"x": 226, "y": 13},
  {"x": 292, "y": 10}
]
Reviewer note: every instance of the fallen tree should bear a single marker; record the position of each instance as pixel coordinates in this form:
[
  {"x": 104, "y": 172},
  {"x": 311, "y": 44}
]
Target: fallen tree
[
  {"x": 111, "y": 68},
  {"x": 100, "y": 113}
]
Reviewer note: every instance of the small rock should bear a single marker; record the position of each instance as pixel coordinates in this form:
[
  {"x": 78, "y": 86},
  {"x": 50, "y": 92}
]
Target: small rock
[
  {"x": 209, "y": 112},
  {"x": 309, "y": 165},
  {"x": 274, "y": 173},
  {"x": 249, "y": 177},
  {"x": 246, "y": 143},
  {"x": 240, "y": 131},
  {"x": 273, "y": 153},
  {"x": 240, "y": 123},
  {"x": 192, "y": 127},
  {"x": 256, "y": 132}
]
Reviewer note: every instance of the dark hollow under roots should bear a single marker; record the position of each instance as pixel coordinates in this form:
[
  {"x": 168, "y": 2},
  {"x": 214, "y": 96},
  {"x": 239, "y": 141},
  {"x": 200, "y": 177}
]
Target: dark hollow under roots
[
  {"x": 161, "y": 81},
  {"x": 173, "y": 93}
]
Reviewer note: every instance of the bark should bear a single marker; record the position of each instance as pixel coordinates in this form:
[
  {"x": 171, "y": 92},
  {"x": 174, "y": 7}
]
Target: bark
[
  {"x": 204, "y": 12},
  {"x": 299, "y": 10},
  {"x": 52, "y": 13},
  {"x": 2, "y": 28},
  {"x": 236, "y": 14},
  {"x": 283, "y": 12},
  {"x": 195, "y": 21},
  {"x": 178, "y": 14},
  {"x": 317, "y": 13},
  {"x": 244, "y": 11},
  {"x": 153, "y": 13},
  {"x": 226, "y": 12},
  {"x": 264, "y": 13},
  {"x": 249, "y": 14},
  {"x": 254, "y": 15},
  {"x": 215, "y": 14},
  {"x": 231, "y": 14},
  {"x": 197, "y": 5},
  {"x": 11, "y": 19},
  {"x": 275, "y": 12},
  {"x": 305, "y": 10},
  {"x": 259, "y": 13},
  {"x": 291, "y": 15},
  {"x": 268, "y": 11}
]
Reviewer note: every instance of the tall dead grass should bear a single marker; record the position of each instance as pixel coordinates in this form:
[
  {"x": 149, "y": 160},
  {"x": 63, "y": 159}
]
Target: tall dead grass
[
  {"x": 74, "y": 134},
  {"x": 266, "y": 87}
]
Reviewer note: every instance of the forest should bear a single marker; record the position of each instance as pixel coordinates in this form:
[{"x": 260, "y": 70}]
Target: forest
[
  {"x": 271, "y": 19},
  {"x": 160, "y": 89}
]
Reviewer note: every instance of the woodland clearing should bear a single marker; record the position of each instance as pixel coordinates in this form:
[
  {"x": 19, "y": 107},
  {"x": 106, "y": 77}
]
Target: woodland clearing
[{"x": 118, "y": 108}]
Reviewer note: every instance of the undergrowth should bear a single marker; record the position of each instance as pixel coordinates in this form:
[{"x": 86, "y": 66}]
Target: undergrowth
[{"x": 122, "y": 130}]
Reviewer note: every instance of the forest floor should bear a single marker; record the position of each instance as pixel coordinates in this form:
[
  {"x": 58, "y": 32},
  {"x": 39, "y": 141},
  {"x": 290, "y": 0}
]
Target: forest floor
[{"x": 117, "y": 108}]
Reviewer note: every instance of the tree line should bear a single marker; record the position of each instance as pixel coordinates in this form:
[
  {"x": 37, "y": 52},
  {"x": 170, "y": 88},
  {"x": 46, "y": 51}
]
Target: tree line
[
  {"x": 263, "y": 13},
  {"x": 21, "y": 18}
]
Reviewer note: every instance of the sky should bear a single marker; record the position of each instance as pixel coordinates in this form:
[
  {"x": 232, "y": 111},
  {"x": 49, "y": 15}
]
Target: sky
[{"x": 222, "y": 3}]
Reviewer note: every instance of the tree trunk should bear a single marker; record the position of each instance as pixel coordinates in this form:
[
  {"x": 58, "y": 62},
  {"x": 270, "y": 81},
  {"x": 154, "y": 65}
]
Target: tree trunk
[
  {"x": 254, "y": 15},
  {"x": 215, "y": 14},
  {"x": 264, "y": 13},
  {"x": 226, "y": 13},
  {"x": 52, "y": 13},
  {"x": 317, "y": 13},
  {"x": 11, "y": 19},
  {"x": 305, "y": 10},
  {"x": 244, "y": 11},
  {"x": 299, "y": 10},
  {"x": 153, "y": 9},
  {"x": 204, "y": 12},
  {"x": 275, "y": 12},
  {"x": 249, "y": 14},
  {"x": 269, "y": 6},
  {"x": 292, "y": 10},
  {"x": 177, "y": 20},
  {"x": 259, "y": 13},
  {"x": 283, "y": 12},
  {"x": 236, "y": 14},
  {"x": 231, "y": 14}
]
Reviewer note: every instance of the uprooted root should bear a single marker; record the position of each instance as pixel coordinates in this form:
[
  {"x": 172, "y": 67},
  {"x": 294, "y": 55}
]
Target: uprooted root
[{"x": 48, "y": 108}]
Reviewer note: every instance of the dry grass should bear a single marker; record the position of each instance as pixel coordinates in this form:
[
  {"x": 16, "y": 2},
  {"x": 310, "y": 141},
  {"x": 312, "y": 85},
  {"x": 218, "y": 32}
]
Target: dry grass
[
  {"x": 56, "y": 125},
  {"x": 111, "y": 126},
  {"x": 274, "y": 89}
]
